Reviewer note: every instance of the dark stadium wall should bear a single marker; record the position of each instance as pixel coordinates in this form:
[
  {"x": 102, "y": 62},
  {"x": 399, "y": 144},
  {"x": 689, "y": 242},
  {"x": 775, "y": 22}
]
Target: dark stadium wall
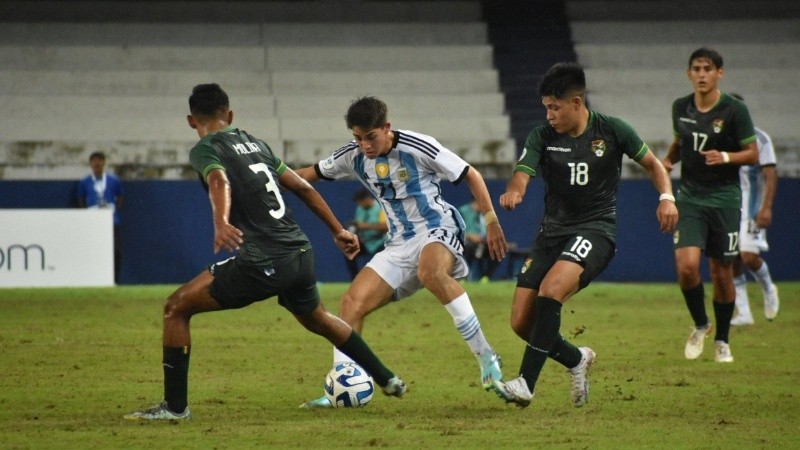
[{"x": 167, "y": 229}]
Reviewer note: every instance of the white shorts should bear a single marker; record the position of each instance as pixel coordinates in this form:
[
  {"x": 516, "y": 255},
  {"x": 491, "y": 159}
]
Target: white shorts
[
  {"x": 751, "y": 238},
  {"x": 398, "y": 264}
]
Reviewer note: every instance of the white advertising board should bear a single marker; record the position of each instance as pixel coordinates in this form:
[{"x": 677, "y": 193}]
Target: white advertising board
[{"x": 56, "y": 247}]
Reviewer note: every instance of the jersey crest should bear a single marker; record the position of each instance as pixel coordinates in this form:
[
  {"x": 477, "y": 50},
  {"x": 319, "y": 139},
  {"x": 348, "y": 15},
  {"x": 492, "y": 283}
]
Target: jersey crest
[
  {"x": 599, "y": 147},
  {"x": 402, "y": 174},
  {"x": 717, "y": 125},
  {"x": 382, "y": 169}
]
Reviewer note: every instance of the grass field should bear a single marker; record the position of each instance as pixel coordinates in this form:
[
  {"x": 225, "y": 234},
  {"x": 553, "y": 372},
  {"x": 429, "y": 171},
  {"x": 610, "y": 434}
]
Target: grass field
[{"x": 75, "y": 360}]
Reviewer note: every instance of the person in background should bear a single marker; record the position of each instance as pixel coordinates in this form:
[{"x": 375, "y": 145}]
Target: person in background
[
  {"x": 759, "y": 183},
  {"x": 369, "y": 224},
  {"x": 481, "y": 265},
  {"x": 104, "y": 190},
  {"x": 714, "y": 135}
]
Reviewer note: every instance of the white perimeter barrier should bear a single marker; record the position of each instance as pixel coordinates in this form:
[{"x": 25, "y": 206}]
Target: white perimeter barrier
[{"x": 56, "y": 247}]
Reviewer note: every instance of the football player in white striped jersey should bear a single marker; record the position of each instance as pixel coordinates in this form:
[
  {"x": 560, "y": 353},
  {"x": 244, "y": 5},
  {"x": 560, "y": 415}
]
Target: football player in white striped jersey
[
  {"x": 759, "y": 183},
  {"x": 424, "y": 247}
]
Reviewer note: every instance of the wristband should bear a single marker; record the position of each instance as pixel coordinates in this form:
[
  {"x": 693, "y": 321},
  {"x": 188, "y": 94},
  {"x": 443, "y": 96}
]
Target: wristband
[
  {"x": 726, "y": 158},
  {"x": 490, "y": 218},
  {"x": 666, "y": 196}
]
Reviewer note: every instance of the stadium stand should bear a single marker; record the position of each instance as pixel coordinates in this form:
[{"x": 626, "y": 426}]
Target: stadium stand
[
  {"x": 636, "y": 54},
  {"x": 92, "y": 75}
]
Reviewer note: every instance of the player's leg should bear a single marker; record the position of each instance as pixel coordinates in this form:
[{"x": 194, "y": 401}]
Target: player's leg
[
  {"x": 743, "y": 314},
  {"x": 191, "y": 298},
  {"x": 723, "y": 250},
  {"x": 439, "y": 261},
  {"x": 752, "y": 245}
]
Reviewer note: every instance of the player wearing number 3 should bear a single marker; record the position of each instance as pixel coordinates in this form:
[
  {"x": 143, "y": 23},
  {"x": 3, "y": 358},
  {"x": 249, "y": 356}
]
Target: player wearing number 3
[
  {"x": 579, "y": 154},
  {"x": 274, "y": 257},
  {"x": 714, "y": 136}
]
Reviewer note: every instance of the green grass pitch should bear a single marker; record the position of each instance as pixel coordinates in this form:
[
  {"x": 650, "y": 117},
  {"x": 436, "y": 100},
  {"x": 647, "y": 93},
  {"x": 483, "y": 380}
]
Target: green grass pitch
[{"x": 73, "y": 361}]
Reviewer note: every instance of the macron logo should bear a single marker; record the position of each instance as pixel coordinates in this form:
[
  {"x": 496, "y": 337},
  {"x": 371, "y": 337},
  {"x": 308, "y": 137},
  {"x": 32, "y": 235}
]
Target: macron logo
[
  {"x": 686, "y": 119},
  {"x": 559, "y": 149}
]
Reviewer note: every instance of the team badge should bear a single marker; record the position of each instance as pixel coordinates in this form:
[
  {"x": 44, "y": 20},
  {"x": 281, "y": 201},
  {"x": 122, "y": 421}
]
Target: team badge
[
  {"x": 526, "y": 265},
  {"x": 327, "y": 164},
  {"x": 402, "y": 174},
  {"x": 599, "y": 147},
  {"x": 382, "y": 169},
  {"x": 717, "y": 124}
]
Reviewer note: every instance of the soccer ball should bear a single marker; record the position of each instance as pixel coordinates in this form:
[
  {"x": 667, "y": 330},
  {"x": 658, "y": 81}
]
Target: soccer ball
[{"x": 348, "y": 386}]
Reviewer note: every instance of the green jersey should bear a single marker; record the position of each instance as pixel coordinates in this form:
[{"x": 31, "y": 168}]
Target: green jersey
[
  {"x": 727, "y": 127},
  {"x": 581, "y": 174},
  {"x": 257, "y": 207}
]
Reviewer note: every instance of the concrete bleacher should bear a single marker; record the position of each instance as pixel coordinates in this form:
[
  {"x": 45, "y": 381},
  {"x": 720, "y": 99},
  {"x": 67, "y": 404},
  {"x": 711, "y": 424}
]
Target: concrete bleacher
[
  {"x": 636, "y": 56},
  {"x": 72, "y": 87}
]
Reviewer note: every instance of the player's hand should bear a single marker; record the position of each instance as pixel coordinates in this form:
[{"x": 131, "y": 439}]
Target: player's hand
[
  {"x": 496, "y": 241},
  {"x": 227, "y": 237},
  {"x": 667, "y": 215},
  {"x": 764, "y": 218},
  {"x": 347, "y": 243},
  {"x": 713, "y": 157},
  {"x": 510, "y": 200}
]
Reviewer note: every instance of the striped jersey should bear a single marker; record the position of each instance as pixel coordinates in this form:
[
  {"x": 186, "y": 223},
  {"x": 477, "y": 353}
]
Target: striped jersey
[
  {"x": 751, "y": 178},
  {"x": 406, "y": 182}
]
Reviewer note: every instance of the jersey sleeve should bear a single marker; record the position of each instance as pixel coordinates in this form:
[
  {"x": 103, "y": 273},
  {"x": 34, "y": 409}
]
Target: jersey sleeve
[
  {"x": 531, "y": 153},
  {"x": 743, "y": 126},
  {"x": 339, "y": 164},
  {"x": 447, "y": 164},
  {"x": 766, "y": 152},
  {"x": 629, "y": 140},
  {"x": 204, "y": 159}
]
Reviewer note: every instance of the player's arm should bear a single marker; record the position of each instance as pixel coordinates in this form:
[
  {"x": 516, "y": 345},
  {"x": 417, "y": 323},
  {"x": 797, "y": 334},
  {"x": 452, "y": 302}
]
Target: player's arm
[
  {"x": 667, "y": 213},
  {"x": 345, "y": 240},
  {"x": 308, "y": 173},
  {"x": 764, "y": 217},
  {"x": 748, "y": 155},
  {"x": 226, "y": 236},
  {"x": 673, "y": 155},
  {"x": 495, "y": 239},
  {"x": 515, "y": 191}
]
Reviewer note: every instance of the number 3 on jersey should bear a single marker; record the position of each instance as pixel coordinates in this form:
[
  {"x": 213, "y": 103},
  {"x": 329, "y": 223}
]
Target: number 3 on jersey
[{"x": 271, "y": 187}]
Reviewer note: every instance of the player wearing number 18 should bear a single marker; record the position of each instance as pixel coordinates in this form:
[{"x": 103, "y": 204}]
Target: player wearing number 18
[
  {"x": 274, "y": 256},
  {"x": 579, "y": 154}
]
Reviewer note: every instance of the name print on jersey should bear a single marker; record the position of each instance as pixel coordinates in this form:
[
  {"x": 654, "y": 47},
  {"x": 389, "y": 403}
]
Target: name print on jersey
[{"x": 245, "y": 148}]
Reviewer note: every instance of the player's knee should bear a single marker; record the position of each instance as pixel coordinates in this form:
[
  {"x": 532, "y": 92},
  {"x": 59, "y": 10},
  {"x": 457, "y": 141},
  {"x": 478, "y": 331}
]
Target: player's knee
[
  {"x": 174, "y": 306},
  {"x": 751, "y": 260},
  {"x": 430, "y": 276},
  {"x": 352, "y": 308}
]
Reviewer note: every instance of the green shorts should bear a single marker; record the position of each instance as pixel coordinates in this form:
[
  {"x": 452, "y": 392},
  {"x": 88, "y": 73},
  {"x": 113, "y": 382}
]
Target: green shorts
[
  {"x": 237, "y": 284},
  {"x": 591, "y": 249},
  {"x": 713, "y": 230}
]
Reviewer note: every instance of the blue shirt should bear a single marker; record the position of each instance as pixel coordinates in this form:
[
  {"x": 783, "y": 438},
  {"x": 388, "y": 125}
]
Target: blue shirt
[{"x": 99, "y": 194}]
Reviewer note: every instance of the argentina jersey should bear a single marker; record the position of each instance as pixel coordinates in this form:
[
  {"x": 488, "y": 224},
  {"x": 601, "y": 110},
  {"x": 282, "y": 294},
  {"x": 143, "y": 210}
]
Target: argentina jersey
[
  {"x": 751, "y": 178},
  {"x": 406, "y": 182}
]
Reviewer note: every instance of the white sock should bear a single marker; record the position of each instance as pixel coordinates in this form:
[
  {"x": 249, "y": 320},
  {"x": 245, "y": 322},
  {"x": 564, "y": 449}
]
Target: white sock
[
  {"x": 467, "y": 324},
  {"x": 742, "y": 301},
  {"x": 763, "y": 277},
  {"x": 340, "y": 357}
]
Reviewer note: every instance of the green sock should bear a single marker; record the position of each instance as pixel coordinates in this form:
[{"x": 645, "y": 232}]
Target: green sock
[
  {"x": 544, "y": 334},
  {"x": 176, "y": 377},
  {"x": 695, "y": 301},
  {"x": 359, "y": 351}
]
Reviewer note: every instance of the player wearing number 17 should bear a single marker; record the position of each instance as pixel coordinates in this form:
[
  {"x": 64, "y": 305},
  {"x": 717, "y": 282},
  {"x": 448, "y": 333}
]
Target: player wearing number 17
[
  {"x": 714, "y": 136},
  {"x": 274, "y": 256},
  {"x": 579, "y": 154}
]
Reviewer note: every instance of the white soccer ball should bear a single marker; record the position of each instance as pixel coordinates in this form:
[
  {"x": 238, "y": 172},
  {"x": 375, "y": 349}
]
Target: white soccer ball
[{"x": 348, "y": 386}]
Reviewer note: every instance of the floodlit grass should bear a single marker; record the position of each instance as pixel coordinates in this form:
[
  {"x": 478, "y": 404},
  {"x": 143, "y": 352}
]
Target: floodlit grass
[{"x": 73, "y": 361}]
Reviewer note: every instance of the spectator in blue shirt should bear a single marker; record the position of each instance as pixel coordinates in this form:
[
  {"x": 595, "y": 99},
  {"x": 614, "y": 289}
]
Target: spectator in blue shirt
[
  {"x": 103, "y": 190},
  {"x": 369, "y": 224}
]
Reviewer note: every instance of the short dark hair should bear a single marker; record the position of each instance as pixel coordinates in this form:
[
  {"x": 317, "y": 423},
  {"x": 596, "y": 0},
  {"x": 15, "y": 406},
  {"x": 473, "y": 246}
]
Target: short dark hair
[
  {"x": 707, "y": 53},
  {"x": 97, "y": 155},
  {"x": 563, "y": 80},
  {"x": 366, "y": 113},
  {"x": 208, "y": 100}
]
